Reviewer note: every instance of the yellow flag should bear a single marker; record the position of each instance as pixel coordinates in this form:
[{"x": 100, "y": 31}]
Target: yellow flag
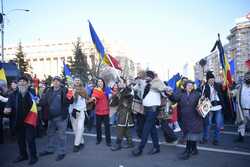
[{"x": 2, "y": 73}]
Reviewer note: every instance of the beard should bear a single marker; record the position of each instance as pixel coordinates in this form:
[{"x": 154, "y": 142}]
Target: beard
[
  {"x": 248, "y": 82},
  {"x": 23, "y": 90}
]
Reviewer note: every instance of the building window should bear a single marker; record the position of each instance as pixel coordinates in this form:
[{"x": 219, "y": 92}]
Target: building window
[
  {"x": 55, "y": 58},
  {"x": 41, "y": 59},
  {"x": 48, "y": 59},
  {"x": 34, "y": 59}
]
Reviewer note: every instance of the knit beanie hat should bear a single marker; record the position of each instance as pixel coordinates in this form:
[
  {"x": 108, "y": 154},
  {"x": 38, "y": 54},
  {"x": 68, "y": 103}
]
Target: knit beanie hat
[
  {"x": 247, "y": 76},
  {"x": 209, "y": 75},
  {"x": 150, "y": 74}
]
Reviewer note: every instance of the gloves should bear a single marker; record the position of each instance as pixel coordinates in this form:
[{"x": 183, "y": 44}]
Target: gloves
[{"x": 70, "y": 94}]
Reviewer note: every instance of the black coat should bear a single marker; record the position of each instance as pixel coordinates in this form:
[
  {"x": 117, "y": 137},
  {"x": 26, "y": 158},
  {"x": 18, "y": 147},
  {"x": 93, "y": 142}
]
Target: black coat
[
  {"x": 192, "y": 121},
  {"x": 2, "y": 106},
  {"x": 20, "y": 107},
  {"x": 219, "y": 90},
  {"x": 65, "y": 102}
]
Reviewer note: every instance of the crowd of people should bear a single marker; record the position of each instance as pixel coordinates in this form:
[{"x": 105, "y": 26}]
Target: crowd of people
[{"x": 146, "y": 103}]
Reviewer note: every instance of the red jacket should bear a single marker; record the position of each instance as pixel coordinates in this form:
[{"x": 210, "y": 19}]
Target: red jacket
[{"x": 102, "y": 103}]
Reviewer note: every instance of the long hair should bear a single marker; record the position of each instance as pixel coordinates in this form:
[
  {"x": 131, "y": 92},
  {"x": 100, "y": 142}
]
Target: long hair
[{"x": 104, "y": 85}]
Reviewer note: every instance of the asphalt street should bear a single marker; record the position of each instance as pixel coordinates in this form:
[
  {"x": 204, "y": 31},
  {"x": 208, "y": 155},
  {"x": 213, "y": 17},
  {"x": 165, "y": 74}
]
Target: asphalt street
[{"x": 226, "y": 154}]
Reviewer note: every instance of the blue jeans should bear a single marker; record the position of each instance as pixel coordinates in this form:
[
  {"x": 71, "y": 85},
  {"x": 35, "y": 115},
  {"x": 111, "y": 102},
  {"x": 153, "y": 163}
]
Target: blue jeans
[
  {"x": 57, "y": 134},
  {"x": 149, "y": 128},
  {"x": 218, "y": 123}
]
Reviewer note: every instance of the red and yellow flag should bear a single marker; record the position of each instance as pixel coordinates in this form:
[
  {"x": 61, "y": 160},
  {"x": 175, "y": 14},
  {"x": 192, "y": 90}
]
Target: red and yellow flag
[
  {"x": 112, "y": 62},
  {"x": 97, "y": 92},
  {"x": 227, "y": 74},
  {"x": 31, "y": 118}
]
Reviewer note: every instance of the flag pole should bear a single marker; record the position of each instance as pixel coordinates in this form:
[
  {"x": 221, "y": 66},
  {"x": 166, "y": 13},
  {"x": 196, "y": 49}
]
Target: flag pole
[
  {"x": 98, "y": 68},
  {"x": 227, "y": 84}
]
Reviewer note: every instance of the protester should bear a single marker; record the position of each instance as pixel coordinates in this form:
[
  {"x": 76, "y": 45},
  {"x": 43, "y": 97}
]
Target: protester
[
  {"x": 242, "y": 94},
  {"x": 58, "y": 99},
  {"x": 77, "y": 113},
  {"x": 151, "y": 100},
  {"x": 192, "y": 121},
  {"x": 20, "y": 104},
  {"x": 12, "y": 89},
  {"x": 114, "y": 102},
  {"x": 214, "y": 92},
  {"x": 3, "y": 100},
  {"x": 124, "y": 118},
  {"x": 101, "y": 97}
]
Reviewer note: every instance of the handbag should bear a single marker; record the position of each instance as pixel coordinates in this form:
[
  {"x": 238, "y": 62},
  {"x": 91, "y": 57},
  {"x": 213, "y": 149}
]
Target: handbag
[
  {"x": 137, "y": 106},
  {"x": 204, "y": 105}
]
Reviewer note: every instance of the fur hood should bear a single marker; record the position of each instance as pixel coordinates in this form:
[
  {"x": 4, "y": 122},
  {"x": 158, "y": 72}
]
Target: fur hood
[{"x": 158, "y": 85}]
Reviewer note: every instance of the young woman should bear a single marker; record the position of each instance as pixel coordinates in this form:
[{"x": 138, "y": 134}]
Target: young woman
[
  {"x": 77, "y": 116},
  {"x": 101, "y": 97},
  {"x": 192, "y": 121}
]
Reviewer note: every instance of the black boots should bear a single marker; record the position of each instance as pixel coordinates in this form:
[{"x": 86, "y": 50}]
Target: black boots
[
  {"x": 129, "y": 144},
  {"x": 137, "y": 152},
  {"x": 194, "y": 150},
  {"x": 60, "y": 157},
  {"x": 191, "y": 149},
  {"x": 240, "y": 139},
  {"x": 76, "y": 149},
  {"x": 117, "y": 146},
  {"x": 33, "y": 161},
  {"x": 20, "y": 159},
  {"x": 186, "y": 154}
]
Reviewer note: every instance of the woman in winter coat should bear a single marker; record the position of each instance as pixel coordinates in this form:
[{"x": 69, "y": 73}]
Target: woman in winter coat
[
  {"x": 100, "y": 96},
  {"x": 192, "y": 121}
]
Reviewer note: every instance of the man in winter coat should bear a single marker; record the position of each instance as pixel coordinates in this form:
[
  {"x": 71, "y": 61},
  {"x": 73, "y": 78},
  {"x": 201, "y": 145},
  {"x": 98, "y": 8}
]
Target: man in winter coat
[{"x": 58, "y": 99}]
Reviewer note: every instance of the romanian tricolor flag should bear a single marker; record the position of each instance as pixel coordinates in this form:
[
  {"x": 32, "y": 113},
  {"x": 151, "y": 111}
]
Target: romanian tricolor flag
[
  {"x": 104, "y": 57},
  {"x": 31, "y": 118},
  {"x": 2, "y": 72},
  {"x": 224, "y": 63}
]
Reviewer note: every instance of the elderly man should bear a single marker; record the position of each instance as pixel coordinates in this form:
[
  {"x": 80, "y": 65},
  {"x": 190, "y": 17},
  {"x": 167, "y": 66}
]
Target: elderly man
[
  {"x": 20, "y": 104},
  {"x": 57, "y": 99},
  {"x": 242, "y": 94}
]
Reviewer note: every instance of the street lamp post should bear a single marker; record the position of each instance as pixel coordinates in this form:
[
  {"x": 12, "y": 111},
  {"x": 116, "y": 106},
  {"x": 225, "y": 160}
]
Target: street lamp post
[
  {"x": 2, "y": 32},
  {"x": 2, "y": 26}
]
